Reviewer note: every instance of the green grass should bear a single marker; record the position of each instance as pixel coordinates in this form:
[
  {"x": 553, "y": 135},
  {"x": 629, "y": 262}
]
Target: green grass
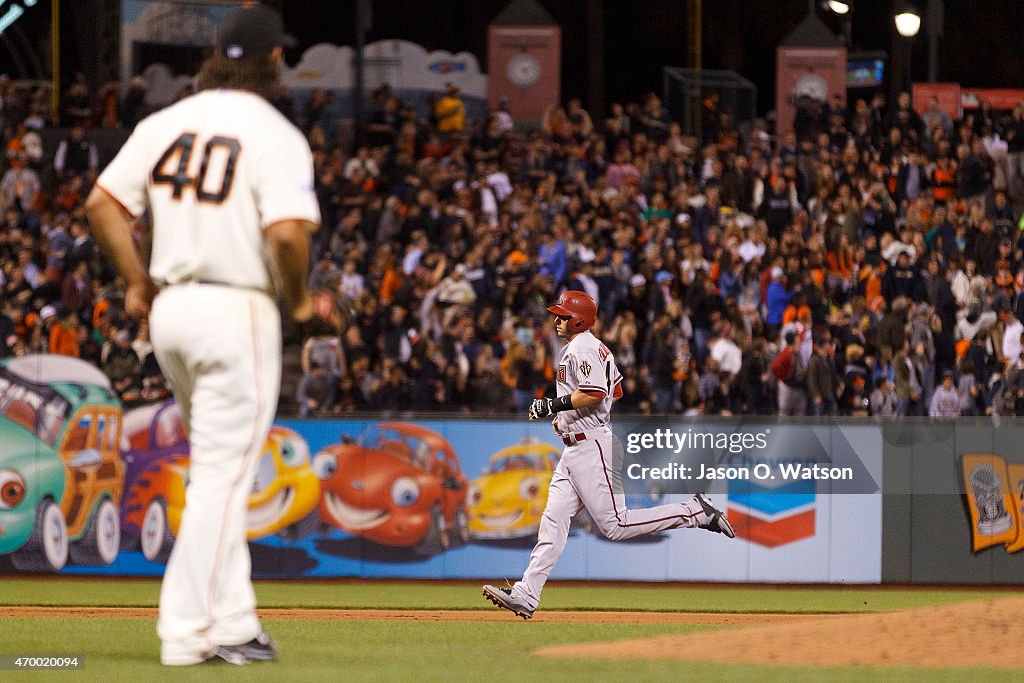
[
  {"x": 119, "y": 650},
  {"x": 116, "y": 592},
  {"x": 127, "y": 649}
]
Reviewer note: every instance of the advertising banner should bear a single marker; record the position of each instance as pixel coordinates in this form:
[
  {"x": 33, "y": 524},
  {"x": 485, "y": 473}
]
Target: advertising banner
[{"x": 426, "y": 498}]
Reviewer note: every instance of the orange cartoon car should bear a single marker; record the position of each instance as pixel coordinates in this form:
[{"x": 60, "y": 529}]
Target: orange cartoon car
[{"x": 397, "y": 485}]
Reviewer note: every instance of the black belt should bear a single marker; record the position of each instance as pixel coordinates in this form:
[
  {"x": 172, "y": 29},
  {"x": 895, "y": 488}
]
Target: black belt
[{"x": 217, "y": 283}]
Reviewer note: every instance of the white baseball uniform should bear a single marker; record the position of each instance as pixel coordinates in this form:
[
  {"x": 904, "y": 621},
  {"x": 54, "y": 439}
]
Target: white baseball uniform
[
  {"x": 588, "y": 472},
  {"x": 215, "y": 169}
]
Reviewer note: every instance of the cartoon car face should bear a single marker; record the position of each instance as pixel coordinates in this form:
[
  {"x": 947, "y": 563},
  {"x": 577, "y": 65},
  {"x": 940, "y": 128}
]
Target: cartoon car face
[
  {"x": 398, "y": 485},
  {"x": 285, "y": 489},
  {"x": 156, "y": 454},
  {"x": 508, "y": 498},
  {"x": 60, "y": 477}
]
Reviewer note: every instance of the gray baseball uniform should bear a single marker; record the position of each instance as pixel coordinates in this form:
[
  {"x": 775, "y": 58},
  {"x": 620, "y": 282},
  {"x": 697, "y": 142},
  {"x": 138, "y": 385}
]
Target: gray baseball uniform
[{"x": 589, "y": 467}]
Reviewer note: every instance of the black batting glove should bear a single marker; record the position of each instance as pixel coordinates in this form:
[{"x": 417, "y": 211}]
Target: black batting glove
[{"x": 541, "y": 408}]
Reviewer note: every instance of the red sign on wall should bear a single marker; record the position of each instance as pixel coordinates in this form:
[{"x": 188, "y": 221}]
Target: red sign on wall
[
  {"x": 947, "y": 94},
  {"x": 999, "y": 98},
  {"x": 524, "y": 65},
  {"x": 807, "y": 72}
]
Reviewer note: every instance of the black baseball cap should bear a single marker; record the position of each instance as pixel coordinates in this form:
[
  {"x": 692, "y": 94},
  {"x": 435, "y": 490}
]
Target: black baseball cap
[{"x": 251, "y": 30}]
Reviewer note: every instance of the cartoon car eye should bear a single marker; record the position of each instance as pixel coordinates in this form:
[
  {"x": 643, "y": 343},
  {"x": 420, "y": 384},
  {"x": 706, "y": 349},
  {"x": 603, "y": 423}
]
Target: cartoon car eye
[
  {"x": 475, "y": 495},
  {"x": 529, "y": 488},
  {"x": 294, "y": 453},
  {"x": 405, "y": 491},
  {"x": 12, "y": 489},
  {"x": 324, "y": 465},
  {"x": 266, "y": 472}
]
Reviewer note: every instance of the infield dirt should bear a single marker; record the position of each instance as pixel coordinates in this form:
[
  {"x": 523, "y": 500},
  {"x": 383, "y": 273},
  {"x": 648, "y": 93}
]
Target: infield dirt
[{"x": 973, "y": 634}]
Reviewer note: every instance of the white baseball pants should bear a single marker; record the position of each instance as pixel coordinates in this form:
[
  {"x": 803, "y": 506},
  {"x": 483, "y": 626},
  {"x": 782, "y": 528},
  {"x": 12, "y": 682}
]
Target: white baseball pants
[
  {"x": 220, "y": 349},
  {"x": 587, "y": 476}
]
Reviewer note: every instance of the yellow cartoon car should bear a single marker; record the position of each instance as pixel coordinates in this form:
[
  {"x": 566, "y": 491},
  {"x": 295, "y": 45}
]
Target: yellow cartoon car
[
  {"x": 508, "y": 498},
  {"x": 286, "y": 488}
]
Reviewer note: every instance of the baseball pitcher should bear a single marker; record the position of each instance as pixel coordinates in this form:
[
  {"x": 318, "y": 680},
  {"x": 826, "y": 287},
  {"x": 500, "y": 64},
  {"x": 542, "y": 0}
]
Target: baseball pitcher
[{"x": 229, "y": 182}]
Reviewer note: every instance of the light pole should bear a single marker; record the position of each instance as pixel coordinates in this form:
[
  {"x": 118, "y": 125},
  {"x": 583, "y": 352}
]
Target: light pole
[
  {"x": 935, "y": 14},
  {"x": 843, "y": 9},
  {"x": 908, "y": 23}
]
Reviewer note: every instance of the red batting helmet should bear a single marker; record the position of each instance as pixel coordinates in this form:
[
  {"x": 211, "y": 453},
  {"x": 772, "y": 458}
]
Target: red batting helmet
[{"x": 579, "y": 306}]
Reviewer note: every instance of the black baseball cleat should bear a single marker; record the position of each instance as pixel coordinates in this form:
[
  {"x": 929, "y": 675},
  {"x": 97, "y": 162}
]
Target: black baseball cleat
[
  {"x": 502, "y": 597},
  {"x": 716, "y": 520},
  {"x": 259, "y": 649}
]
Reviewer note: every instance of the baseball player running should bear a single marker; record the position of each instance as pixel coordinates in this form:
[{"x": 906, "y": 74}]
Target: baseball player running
[
  {"x": 587, "y": 384},
  {"x": 229, "y": 182}
]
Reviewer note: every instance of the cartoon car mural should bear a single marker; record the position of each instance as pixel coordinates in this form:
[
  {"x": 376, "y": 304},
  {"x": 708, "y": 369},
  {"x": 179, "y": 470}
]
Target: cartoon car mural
[
  {"x": 508, "y": 498},
  {"x": 398, "y": 485},
  {"x": 156, "y": 456},
  {"x": 60, "y": 474}
]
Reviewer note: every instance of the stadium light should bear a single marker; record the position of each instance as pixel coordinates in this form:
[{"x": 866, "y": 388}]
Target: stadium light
[
  {"x": 908, "y": 22},
  {"x": 838, "y": 7}
]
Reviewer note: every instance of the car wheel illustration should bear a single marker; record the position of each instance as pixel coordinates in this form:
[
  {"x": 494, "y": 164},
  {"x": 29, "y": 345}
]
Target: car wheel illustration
[
  {"x": 102, "y": 540},
  {"x": 460, "y": 528},
  {"x": 156, "y": 540},
  {"x": 310, "y": 525},
  {"x": 436, "y": 540},
  {"x": 47, "y": 548}
]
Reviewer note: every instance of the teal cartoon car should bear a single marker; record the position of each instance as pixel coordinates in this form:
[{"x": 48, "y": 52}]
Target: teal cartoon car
[{"x": 60, "y": 469}]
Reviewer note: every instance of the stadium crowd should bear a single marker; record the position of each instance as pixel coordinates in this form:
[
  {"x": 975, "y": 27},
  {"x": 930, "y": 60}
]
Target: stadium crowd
[{"x": 867, "y": 263}]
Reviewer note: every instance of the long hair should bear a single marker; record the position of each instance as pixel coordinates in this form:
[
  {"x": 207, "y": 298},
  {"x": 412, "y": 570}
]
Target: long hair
[{"x": 258, "y": 74}]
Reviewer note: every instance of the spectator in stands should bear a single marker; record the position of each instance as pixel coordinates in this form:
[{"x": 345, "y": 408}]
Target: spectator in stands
[
  {"x": 316, "y": 391},
  {"x": 64, "y": 336},
  {"x": 789, "y": 370},
  {"x": 123, "y": 367},
  {"x": 946, "y": 401},
  {"x": 823, "y": 384},
  {"x": 76, "y": 155},
  {"x": 449, "y": 112}
]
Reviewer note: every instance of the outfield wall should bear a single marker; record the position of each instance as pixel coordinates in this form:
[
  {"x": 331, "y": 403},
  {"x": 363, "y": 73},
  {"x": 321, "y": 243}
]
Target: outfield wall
[
  {"x": 953, "y": 503},
  {"x": 461, "y": 498}
]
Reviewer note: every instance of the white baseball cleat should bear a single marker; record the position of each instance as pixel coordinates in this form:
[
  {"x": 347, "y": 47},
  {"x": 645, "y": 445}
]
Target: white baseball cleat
[{"x": 502, "y": 597}]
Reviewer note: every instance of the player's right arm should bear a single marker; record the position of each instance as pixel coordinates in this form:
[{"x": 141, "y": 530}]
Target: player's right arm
[
  {"x": 119, "y": 195},
  {"x": 588, "y": 394},
  {"x": 112, "y": 230}
]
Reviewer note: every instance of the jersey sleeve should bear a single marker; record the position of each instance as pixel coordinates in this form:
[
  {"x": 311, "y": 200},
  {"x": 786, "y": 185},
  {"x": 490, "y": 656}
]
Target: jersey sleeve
[
  {"x": 284, "y": 181},
  {"x": 616, "y": 381},
  {"x": 592, "y": 374},
  {"x": 124, "y": 179}
]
